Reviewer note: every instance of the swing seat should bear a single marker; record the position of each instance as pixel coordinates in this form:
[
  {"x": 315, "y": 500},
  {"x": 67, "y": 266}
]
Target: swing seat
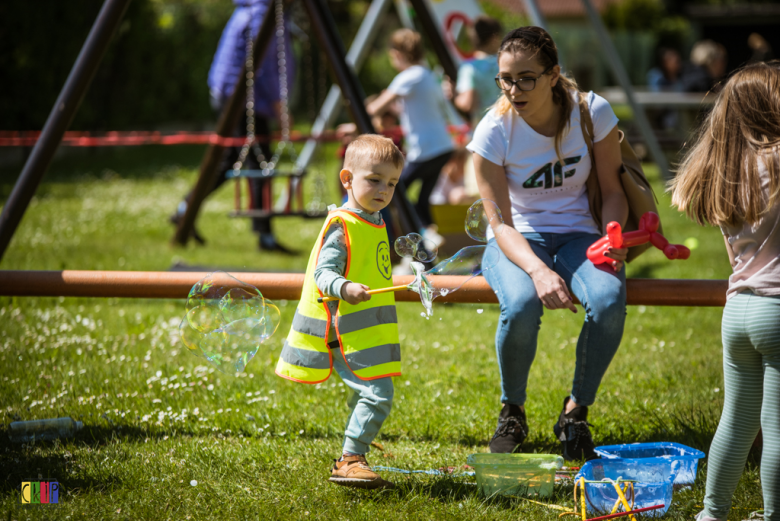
[{"x": 292, "y": 207}]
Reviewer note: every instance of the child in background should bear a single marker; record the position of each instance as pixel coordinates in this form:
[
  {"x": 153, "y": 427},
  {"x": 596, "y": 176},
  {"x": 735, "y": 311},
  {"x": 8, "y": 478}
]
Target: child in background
[
  {"x": 474, "y": 94},
  {"x": 356, "y": 335},
  {"x": 731, "y": 178},
  {"x": 423, "y": 120},
  {"x": 450, "y": 188},
  {"x": 476, "y": 89},
  {"x": 385, "y": 124}
]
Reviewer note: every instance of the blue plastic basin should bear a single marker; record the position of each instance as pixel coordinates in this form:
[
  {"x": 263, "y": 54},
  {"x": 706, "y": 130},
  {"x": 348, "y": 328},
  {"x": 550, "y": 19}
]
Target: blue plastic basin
[
  {"x": 654, "y": 483},
  {"x": 687, "y": 456}
]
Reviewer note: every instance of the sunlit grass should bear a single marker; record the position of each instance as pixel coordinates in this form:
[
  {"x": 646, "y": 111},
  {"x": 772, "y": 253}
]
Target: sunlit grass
[{"x": 158, "y": 419}]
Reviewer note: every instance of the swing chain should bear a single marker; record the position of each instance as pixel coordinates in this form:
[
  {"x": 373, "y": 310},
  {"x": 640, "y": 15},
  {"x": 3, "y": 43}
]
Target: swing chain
[
  {"x": 284, "y": 116},
  {"x": 249, "y": 143},
  {"x": 316, "y": 204}
]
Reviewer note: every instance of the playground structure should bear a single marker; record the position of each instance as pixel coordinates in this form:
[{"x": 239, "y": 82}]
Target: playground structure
[
  {"x": 343, "y": 68},
  {"x": 324, "y": 29}
]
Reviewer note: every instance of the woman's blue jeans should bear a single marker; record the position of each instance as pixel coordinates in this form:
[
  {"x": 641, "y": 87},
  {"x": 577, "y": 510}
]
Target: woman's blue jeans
[{"x": 601, "y": 291}]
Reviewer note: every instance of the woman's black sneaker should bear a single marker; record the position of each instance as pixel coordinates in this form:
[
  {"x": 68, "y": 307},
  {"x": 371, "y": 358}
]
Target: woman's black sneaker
[
  {"x": 511, "y": 431},
  {"x": 574, "y": 432}
]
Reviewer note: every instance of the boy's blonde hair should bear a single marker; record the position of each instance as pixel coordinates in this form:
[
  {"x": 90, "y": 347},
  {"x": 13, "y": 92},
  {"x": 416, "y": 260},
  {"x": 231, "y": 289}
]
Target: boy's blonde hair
[
  {"x": 371, "y": 148},
  {"x": 408, "y": 43},
  {"x": 718, "y": 181}
]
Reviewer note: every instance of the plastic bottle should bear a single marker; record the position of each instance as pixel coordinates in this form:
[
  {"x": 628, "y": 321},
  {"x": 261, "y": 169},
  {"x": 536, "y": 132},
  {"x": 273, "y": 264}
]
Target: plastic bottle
[{"x": 49, "y": 429}]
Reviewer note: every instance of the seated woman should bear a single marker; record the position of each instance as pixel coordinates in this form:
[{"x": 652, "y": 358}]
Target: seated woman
[{"x": 531, "y": 158}]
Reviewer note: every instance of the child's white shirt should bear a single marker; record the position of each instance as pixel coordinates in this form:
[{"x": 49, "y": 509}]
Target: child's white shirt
[{"x": 423, "y": 113}]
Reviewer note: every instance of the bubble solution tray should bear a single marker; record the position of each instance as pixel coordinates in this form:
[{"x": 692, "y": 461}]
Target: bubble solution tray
[
  {"x": 515, "y": 474},
  {"x": 687, "y": 456},
  {"x": 653, "y": 483}
]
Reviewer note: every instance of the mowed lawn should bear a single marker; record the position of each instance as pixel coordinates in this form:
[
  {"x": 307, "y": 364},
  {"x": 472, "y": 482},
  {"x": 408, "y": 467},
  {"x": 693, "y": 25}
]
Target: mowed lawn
[{"x": 168, "y": 437}]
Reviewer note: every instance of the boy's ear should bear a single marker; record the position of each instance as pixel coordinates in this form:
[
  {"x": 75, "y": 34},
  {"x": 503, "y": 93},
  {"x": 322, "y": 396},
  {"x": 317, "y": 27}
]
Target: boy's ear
[{"x": 345, "y": 176}]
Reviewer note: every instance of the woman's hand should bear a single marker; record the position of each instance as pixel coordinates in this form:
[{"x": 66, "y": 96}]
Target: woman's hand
[
  {"x": 618, "y": 256},
  {"x": 550, "y": 287},
  {"x": 552, "y": 290}
]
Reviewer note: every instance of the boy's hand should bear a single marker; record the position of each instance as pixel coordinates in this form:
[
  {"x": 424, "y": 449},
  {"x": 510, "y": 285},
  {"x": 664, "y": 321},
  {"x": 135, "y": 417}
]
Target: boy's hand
[{"x": 355, "y": 293}]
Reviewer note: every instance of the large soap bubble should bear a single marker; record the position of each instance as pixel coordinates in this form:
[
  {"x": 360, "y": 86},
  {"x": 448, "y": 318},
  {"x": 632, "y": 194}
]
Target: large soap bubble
[
  {"x": 470, "y": 261},
  {"x": 226, "y": 322},
  {"x": 414, "y": 246},
  {"x": 484, "y": 219}
]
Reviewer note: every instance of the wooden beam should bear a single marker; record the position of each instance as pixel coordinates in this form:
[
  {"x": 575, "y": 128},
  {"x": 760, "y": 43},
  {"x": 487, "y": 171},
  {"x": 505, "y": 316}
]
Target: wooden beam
[{"x": 287, "y": 286}]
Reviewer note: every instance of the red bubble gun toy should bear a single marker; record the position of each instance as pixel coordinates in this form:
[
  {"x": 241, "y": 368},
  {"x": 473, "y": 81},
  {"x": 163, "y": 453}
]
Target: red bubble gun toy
[{"x": 648, "y": 225}]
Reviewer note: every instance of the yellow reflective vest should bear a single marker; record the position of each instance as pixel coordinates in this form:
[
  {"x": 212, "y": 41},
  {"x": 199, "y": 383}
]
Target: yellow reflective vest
[{"x": 367, "y": 332}]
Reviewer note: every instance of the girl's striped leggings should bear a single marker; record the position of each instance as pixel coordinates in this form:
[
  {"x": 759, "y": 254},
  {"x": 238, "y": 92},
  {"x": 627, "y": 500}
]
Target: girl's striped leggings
[{"x": 751, "y": 368}]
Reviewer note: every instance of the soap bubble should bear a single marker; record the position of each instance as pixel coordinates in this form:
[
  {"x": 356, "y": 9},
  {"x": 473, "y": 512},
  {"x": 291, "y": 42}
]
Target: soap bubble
[
  {"x": 406, "y": 246},
  {"x": 414, "y": 246},
  {"x": 227, "y": 321},
  {"x": 470, "y": 261},
  {"x": 483, "y": 217}
]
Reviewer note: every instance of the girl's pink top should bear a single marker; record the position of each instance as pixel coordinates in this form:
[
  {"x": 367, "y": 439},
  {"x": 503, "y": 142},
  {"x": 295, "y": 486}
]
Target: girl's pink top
[{"x": 756, "y": 250}]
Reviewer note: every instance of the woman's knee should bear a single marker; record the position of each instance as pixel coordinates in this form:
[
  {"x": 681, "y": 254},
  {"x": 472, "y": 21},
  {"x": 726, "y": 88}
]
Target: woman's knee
[
  {"x": 522, "y": 309},
  {"x": 607, "y": 304}
]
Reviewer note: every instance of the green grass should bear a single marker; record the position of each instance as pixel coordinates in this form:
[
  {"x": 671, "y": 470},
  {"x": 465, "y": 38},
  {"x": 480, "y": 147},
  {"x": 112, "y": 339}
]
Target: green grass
[{"x": 260, "y": 447}]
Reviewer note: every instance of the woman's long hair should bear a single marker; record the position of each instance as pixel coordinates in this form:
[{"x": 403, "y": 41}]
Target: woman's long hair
[
  {"x": 718, "y": 181},
  {"x": 540, "y": 43}
]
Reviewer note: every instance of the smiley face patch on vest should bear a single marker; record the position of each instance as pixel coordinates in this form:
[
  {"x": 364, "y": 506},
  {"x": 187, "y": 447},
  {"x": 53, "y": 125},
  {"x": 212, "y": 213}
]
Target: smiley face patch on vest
[{"x": 383, "y": 260}]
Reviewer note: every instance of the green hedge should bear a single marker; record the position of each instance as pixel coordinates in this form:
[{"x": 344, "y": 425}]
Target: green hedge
[{"x": 154, "y": 70}]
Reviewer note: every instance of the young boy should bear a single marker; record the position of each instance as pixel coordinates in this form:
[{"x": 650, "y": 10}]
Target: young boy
[{"x": 356, "y": 335}]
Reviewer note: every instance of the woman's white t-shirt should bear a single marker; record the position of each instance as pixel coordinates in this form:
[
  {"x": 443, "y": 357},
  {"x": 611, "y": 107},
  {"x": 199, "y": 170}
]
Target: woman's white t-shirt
[
  {"x": 423, "y": 113},
  {"x": 546, "y": 197}
]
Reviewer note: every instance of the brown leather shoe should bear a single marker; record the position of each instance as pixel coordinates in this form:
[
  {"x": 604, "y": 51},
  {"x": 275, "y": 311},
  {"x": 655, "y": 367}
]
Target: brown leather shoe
[{"x": 353, "y": 471}]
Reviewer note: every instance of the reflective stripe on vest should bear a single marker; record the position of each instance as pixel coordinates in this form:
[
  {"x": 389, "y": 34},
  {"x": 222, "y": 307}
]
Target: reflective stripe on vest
[
  {"x": 367, "y": 332},
  {"x": 309, "y": 326}
]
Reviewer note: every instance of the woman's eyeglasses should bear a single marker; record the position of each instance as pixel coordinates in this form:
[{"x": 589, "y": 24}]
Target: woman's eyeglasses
[{"x": 524, "y": 84}]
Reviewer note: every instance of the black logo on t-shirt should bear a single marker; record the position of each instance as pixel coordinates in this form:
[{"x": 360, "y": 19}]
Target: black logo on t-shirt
[{"x": 550, "y": 176}]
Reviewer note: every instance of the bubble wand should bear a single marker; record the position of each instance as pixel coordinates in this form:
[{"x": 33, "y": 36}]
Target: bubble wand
[{"x": 415, "y": 283}]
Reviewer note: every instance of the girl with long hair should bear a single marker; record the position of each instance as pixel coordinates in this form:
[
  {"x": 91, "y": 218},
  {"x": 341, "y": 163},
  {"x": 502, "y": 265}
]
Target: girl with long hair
[
  {"x": 531, "y": 158},
  {"x": 731, "y": 179}
]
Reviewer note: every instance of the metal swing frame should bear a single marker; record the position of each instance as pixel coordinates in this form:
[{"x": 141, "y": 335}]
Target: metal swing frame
[
  {"x": 89, "y": 59},
  {"x": 108, "y": 20},
  {"x": 347, "y": 85}
]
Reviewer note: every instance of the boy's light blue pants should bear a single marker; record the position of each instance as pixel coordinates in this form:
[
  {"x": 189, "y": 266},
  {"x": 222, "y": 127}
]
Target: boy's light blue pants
[{"x": 370, "y": 404}]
